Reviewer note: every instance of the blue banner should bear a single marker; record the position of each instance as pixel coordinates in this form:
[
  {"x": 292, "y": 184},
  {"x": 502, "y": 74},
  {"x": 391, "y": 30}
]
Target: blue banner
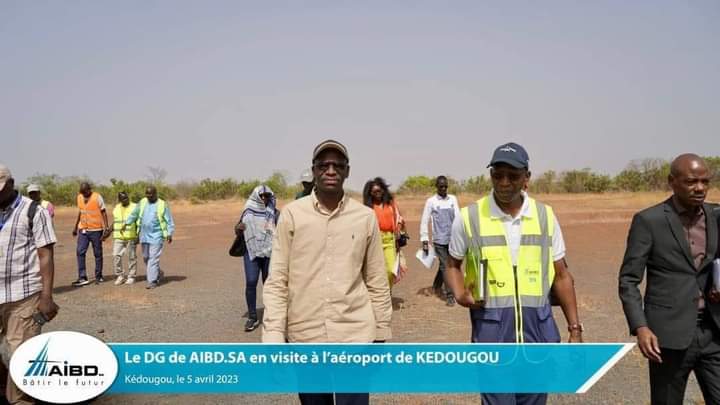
[{"x": 377, "y": 368}]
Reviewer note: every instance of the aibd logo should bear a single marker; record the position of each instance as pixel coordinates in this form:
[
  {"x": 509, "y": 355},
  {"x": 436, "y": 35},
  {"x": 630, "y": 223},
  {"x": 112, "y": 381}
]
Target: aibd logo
[{"x": 63, "y": 367}]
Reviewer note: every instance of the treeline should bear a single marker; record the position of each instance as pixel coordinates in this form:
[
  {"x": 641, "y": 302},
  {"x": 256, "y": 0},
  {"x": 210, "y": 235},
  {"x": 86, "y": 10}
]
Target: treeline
[
  {"x": 640, "y": 175},
  {"x": 64, "y": 190}
]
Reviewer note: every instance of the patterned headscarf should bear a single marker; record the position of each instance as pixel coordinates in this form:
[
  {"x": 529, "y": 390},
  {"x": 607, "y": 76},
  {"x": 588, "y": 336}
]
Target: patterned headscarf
[{"x": 256, "y": 205}]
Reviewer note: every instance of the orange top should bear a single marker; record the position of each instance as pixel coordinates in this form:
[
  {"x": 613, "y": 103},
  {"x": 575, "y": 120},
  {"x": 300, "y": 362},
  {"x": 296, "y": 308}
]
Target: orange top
[
  {"x": 385, "y": 216},
  {"x": 90, "y": 213}
]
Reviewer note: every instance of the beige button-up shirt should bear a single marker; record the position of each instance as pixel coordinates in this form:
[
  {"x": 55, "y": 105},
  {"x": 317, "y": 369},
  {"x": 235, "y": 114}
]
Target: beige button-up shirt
[{"x": 327, "y": 280}]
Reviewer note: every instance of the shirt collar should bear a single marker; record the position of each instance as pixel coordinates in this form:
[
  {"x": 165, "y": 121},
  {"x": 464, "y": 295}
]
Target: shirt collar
[
  {"x": 497, "y": 213},
  {"x": 5, "y": 214},
  {"x": 321, "y": 209},
  {"x": 447, "y": 197},
  {"x": 684, "y": 212},
  {"x": 14, "y": 204}
]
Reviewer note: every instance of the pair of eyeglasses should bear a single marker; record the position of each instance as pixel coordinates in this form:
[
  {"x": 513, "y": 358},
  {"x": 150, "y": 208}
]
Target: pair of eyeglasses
[{"x": 324, "y": 166}]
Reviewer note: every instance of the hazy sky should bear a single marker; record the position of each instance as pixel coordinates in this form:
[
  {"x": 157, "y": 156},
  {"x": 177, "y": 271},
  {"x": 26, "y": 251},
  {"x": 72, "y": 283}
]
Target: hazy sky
[{"x": 241, "y": 89}]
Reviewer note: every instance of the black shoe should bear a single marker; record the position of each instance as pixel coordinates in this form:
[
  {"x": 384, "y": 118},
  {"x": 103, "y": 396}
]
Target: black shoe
[
  {"x": 99, "y": 280},
  {"x": 80, "y": 282},
  {"x": 151, "y": 286},
  {"x": 450, "y": 301},
  {"x": 251, "y": 325}
]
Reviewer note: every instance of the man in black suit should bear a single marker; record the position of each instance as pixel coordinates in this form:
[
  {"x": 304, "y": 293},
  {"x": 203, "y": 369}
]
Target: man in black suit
[{"x": 677, "y": 330}]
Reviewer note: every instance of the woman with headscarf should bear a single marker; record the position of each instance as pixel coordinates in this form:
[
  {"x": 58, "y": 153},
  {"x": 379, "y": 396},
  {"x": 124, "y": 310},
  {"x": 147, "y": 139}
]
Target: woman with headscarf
[
  {"x": 257, "y": 222},
  {"x": 376, "y": 195}
]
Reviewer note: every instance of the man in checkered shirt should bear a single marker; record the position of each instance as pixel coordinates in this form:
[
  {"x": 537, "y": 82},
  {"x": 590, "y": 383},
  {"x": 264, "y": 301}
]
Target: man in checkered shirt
[{"x": 26, "y": 273}]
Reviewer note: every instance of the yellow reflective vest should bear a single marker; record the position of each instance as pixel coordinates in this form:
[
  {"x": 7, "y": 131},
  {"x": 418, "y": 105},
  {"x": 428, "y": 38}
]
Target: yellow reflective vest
[
  {"x": 120, "y": 216},
  {"x": 160, "y": 211},
  {"x": 489, "y": 272}
]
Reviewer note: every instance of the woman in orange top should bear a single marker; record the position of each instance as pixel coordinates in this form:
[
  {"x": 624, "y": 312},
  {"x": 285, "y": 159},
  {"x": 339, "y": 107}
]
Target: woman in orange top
[{"x": 376, "y": 195}]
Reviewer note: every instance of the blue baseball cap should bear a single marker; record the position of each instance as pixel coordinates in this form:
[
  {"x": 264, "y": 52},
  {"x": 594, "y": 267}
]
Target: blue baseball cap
[{"x": 512, "y": 154}]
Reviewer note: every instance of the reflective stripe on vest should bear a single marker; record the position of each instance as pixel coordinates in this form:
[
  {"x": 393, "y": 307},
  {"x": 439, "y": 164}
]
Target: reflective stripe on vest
[
  {"x": 525, "y": 285},
  {"x": 90, "y": 214},
  {"x": 159, "y": 211},
  {"x": 120, "y": 216}
]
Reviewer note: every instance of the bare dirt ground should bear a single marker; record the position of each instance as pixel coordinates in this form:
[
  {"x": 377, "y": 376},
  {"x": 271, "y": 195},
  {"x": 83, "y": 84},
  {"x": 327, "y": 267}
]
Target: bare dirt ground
[{"x": 203, "y": 298}]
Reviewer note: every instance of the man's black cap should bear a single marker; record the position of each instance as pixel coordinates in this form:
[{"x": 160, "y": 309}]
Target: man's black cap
[{"x": 512, "y": 154}]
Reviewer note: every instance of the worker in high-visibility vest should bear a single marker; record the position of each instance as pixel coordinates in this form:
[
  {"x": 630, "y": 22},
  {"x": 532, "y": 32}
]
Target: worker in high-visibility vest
[
  {"x": 35, "y": 194},
  {"x": 514, "y": 258},
  {"x": 92, "y": 227},
  {"x": 156, "y": 227},
  {"x": 124, "y": 240}
]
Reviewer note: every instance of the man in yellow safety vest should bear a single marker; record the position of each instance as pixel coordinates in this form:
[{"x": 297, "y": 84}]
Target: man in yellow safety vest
[
  {"x": 124, "y": 240},
  {"x": 156, "y": 227},
  {"x": 514, "y": 257}
]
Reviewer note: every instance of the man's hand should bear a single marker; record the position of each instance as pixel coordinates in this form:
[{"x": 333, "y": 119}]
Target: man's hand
[
  {"x": 74, "y": 232},
  {"x": 169, "y": 239},
  {"x": 575, "y": 337},
  {"x": 425, "y": 248},
  {"x": 714, "y": 296},
  {"x": 466, "y": 299},
  {"x": 48, "y": 307},
  {"x": 106, "y": 234},
  {"x": 648, "y": 343},
  {"x": 240, "y": 227}
]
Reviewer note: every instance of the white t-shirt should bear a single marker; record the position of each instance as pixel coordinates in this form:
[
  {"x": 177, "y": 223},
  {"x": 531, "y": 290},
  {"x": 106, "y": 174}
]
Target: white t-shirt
[{"x": 459, "y": 240}]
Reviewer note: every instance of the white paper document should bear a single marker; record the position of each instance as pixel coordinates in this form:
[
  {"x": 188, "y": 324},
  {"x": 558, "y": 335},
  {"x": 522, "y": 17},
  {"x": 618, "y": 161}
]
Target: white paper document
[
  {"x": 479, "y": 290},
  {"x": 396, "y": 267},
  {"x": 426, "y": 259}
]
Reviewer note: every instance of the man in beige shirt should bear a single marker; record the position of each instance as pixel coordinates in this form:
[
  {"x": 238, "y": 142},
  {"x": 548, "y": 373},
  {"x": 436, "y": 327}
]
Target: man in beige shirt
[{"x": 327, "y": 280}]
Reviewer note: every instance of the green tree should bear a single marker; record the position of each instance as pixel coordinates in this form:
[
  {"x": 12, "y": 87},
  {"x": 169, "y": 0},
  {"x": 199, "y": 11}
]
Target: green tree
[
  {"x": 477, "y": 185},
  {"x": 545, "y": 183},
  {"x": 417, "y": 185},
  {"x": 630, "y": 180}
]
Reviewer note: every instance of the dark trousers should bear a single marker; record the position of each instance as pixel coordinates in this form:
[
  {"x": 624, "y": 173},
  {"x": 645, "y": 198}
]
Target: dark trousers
[
  {"x": 84, "y": 240},
  {"x": 514, "y": 399},
  {"x": 441, "y": 251},
  {"x": 340, "y": 399},
  {"x": 669, "y": 378},
  {"x": 253, "y": 269}
]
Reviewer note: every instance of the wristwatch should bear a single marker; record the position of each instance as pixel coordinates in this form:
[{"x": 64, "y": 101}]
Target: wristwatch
[{"x": 576, "y": 326}]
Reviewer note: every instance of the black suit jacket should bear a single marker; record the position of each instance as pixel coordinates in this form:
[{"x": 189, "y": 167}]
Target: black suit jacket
[{"x": 657, "y": 245}]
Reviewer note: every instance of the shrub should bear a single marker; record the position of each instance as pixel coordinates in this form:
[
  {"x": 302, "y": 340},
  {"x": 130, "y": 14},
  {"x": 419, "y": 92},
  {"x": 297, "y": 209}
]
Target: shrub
[{"x": 417, "y": 185}]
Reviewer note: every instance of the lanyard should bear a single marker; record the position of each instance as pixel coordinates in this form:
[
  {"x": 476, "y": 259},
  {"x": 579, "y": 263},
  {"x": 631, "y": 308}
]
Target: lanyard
[{"x": 8, "y": 211}]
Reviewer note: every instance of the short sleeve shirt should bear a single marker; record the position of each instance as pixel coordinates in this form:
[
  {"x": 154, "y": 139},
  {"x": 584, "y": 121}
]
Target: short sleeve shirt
[{"x": 19, "y": 262}]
